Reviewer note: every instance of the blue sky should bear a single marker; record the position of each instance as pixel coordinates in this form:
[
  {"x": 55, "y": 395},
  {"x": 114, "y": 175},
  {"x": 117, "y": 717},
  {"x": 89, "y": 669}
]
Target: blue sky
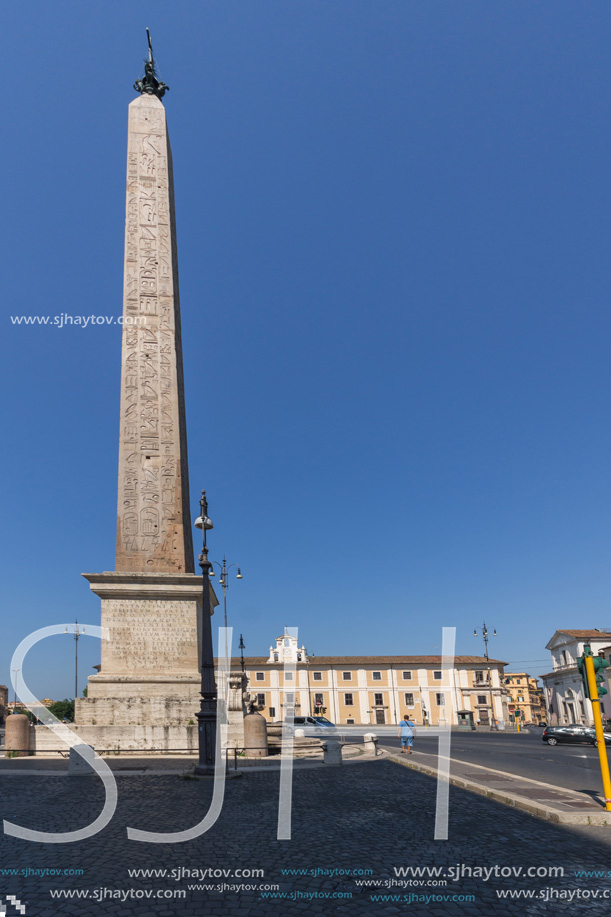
[{"x": 393, "y": 229}]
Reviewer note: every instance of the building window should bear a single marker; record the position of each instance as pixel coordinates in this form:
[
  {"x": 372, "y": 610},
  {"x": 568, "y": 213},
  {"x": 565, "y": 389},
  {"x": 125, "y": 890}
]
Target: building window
[
  {"x": 260, "y": 700},
  {"x": 348, "y": 700},
  {"x": 272, "y": 712},
  {"x": 440, "y": 700},
  {"x": 317, "y": 676},
  {"x": 289, "y": 698},
  {"x": 377, "y": 676},
  {"x": 275, "y": 657},
  {"x": 298, "y": 657},
  {"x": 479, "y": 676},
  {"x": 347, "y": 676},
  {"x": 378, "y": 700},
  {"x": 437, "y": 676},
  {"x": 260, "y": 676},
  {"x": 482, "y": 699},
  {"x": 349, "y": 722},
  {"x": 407, "y": 676},
  {"x": 409, "y": 700},
  {"x": 288, "y": 676},
  {"x": 287, "y": 642}
]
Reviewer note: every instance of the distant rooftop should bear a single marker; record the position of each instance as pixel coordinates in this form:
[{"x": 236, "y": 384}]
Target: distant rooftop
[
  {"x": 595, "y": 633},
  {"x": 314, "y": 661}
]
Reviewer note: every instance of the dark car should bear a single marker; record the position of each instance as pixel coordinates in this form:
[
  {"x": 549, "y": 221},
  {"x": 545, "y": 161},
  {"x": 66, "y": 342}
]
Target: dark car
[{"x": 573, "y": 734}]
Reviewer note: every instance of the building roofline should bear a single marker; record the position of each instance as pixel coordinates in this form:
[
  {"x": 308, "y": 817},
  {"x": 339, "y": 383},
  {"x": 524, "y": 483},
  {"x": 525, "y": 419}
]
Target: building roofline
[
  {"x": 314, "y": 661},
  {"x": 584, "y": 634}
]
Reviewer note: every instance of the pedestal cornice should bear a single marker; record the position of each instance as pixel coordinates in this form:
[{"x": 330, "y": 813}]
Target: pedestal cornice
[{"x": 115, "y": 584}]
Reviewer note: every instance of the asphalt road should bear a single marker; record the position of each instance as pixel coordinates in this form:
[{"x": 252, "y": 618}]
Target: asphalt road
[{"x": 575, "y": 767}]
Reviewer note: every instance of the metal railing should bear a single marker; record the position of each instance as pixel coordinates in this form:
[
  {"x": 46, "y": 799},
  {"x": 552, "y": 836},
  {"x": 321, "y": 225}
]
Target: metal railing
[
  {"x": 141, "y": 752},
  {"x": 236, "y": 753}
]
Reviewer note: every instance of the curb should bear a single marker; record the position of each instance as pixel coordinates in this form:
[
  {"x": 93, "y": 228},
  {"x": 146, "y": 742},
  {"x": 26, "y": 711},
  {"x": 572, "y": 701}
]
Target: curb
[{"x": 539, "y": 809}]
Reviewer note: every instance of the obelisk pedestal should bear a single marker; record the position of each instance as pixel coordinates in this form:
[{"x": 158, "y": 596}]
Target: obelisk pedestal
[{"x": 149, "y": 675}]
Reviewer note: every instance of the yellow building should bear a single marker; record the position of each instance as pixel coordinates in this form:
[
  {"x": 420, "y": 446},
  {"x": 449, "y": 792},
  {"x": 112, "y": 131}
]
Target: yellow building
[
  {"x": 525, "y": 697},
  {"x": 363, "y": 690}
]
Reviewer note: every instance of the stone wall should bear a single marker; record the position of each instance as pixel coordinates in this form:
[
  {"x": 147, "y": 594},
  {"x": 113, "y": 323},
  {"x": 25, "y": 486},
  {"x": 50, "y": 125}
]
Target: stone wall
[
  {"x": 139, "y": 710},
  {"x": 176, "y": 739}
]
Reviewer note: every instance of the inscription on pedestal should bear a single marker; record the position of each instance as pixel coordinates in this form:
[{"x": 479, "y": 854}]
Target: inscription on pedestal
[{"x": 150, "y": 636}]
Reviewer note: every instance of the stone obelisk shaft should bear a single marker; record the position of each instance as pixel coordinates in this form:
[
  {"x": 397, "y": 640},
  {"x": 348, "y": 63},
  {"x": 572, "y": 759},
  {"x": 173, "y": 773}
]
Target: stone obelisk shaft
[{"x": 153, "y": 520}]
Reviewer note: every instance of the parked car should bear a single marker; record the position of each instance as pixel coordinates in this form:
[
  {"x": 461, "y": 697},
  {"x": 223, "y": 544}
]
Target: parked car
[
  {"x": 573, "y": 734},
  {"x": 319, "y": 724}
]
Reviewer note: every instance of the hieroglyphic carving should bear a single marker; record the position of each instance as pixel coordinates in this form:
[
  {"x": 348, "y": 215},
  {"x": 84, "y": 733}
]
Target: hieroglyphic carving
[{"x": 153, "y": 526}]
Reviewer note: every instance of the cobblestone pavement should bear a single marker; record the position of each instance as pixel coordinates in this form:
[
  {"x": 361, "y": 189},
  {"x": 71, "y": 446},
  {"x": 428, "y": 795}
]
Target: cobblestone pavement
[{"x": 377, "y": 816}]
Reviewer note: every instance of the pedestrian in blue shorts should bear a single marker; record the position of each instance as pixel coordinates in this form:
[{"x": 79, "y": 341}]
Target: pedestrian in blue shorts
[{"x": 406, "y": 734}]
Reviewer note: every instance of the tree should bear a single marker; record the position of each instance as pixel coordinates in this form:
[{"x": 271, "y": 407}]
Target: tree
[{"x": 63, "y": 709}]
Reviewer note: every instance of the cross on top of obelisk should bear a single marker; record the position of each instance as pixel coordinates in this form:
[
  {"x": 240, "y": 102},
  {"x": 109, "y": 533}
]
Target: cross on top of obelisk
[{"x": 149, "y": 83}]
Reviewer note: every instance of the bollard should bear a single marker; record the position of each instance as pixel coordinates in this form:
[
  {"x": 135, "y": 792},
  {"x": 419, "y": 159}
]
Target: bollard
[
  {"x": 255, "y": 736},
  {"x": 300, "y": 733},
  {"x": 79, "y": 766},
  {"x": 370, "y": 742},
  {"x": 17, "y": 736},
  {"x": 332, "y": 752}
]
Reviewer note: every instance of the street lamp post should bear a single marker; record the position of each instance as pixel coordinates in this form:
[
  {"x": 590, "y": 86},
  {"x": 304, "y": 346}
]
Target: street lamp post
[
  {"x": 224, "y": 582},
  {"x": 493, "y": 724},
  {"x": 77, "y": 633},
  {"x": 242, "y": 648},
  {"x": 16, "y": 674},
  {"x": 207, "y": 714}
]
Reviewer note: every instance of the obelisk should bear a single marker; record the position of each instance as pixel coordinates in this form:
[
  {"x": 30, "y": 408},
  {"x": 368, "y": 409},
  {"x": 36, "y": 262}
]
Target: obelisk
[
  {"x": 153, "y": 519},
  {"x": 148, "y": 683}
]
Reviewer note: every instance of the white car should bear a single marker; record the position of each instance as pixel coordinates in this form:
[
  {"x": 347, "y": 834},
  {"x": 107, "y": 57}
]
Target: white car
[{"x": 319, "y": 724}]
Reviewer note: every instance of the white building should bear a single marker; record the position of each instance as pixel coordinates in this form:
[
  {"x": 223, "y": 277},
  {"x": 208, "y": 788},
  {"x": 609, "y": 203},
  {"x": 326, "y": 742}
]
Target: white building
[{"x": 565, "y": 698}]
